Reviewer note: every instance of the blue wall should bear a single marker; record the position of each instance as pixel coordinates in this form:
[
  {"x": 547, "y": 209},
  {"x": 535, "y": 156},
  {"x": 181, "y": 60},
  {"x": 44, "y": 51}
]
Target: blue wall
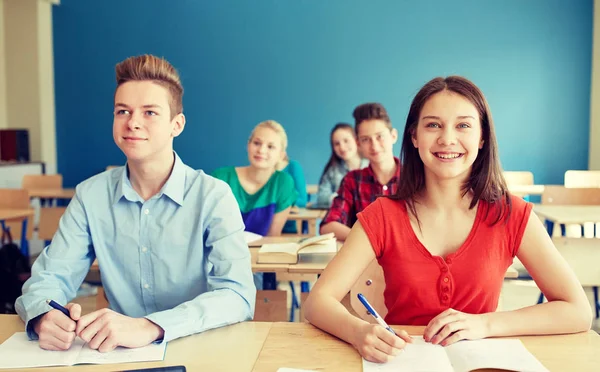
[{"x": 307, "y": 63}]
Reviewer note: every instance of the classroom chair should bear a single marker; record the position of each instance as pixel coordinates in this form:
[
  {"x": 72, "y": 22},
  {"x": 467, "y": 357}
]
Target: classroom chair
[
  {"x": 518, "y": 178},
  {"x": 582, "y": 178},
  {"x": 561, "y": 195},
  {"x": 48, "y": 225},
  {"x": 371, "y": 284},
  {"x": 271, "y": 306},
  {"x": 23, "y": 228},
  {"x": 583, "y": 255}
]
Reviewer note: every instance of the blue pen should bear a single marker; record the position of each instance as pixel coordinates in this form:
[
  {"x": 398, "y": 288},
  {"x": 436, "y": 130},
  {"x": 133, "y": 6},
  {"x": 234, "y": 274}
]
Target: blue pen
[
  {"x": 372, "y": 311},
  {"x": 58, "y": 307}
]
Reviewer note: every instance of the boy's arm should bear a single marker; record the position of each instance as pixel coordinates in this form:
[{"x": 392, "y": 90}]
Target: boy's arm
[
  {"x": 61, "y": 267},
  {"x": 231, "y": 292}
]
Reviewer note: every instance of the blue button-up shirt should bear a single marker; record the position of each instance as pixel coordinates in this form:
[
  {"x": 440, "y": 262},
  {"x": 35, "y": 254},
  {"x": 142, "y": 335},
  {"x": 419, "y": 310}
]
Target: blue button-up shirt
[{"x": 179, "y": 258}]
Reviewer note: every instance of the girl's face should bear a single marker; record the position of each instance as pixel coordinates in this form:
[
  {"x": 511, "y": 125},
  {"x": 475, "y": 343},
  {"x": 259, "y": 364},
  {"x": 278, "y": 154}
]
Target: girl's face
[
  {"x": 448, "y": 136},
  {"x": 344, "y": 144},
  {"x": 265, "y": 148}
]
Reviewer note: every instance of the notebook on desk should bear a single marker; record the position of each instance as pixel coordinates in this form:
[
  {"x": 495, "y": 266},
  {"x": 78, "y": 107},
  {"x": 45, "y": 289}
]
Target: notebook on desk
[
  {"x": 463, "y": 356},
  {"x": 19, "y": 352}
]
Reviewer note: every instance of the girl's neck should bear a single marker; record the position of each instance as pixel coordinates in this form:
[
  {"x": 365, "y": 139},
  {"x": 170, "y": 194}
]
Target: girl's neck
[
  {"x": 445, "y": 194},
  {"x": 257, "y": 176}
]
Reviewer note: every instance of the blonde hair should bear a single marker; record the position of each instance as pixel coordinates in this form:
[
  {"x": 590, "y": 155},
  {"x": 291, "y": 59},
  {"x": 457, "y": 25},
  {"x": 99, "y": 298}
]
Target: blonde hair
[
  {"x": 275, "y": 127},
  {"x": 158, "y": 70}
]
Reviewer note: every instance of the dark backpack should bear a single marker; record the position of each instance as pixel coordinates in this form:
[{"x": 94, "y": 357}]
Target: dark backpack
[{"x": 14, "y": 271}]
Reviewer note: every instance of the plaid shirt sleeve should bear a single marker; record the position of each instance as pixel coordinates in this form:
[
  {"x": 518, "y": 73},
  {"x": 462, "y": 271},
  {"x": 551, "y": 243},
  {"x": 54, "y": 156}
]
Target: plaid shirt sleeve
[{"x": 343, "y": 208}]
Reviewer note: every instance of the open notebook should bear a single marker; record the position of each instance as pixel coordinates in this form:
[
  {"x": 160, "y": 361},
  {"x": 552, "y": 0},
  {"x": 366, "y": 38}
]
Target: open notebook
[
  {"x": 288, "y": 252},
  {"x": 463, "y": 356},
  {"x": 19, "y": 352}
]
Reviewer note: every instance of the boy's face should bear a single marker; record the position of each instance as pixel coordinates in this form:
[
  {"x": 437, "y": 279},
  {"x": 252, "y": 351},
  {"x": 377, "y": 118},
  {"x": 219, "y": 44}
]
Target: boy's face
[
  {"x": 142, "y": 125},
  {"x": 376, "y": 141}
]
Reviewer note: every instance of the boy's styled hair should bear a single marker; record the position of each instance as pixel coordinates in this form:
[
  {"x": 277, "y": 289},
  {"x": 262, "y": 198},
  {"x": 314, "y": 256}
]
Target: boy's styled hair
[
  {"x": 371, "y": 111},
  {"x": 157, "y": 70}
]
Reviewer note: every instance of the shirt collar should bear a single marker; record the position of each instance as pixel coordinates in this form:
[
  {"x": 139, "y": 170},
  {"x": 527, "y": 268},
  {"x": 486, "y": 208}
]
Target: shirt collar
[{"x": 174, "y": 188}]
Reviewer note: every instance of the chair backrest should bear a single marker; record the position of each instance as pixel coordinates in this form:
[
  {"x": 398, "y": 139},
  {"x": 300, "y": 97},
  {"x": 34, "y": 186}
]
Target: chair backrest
[
  {"x": 518, "y": 178},
  {"x": 16, "y": 199},
  {"x": 577, "y": 178},
  {"x": 42, "y": 181},
  {"x": 581, "y": 254},
  {"x": 560, "y": 195},
  {"x": 49, "y": 219},
  {"x": 371, "y": 284},
  {"x": 271, "y": 306}
]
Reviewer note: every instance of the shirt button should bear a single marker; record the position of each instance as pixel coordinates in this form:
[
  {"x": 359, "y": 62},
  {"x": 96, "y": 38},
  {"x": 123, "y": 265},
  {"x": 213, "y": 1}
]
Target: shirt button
[
  {"x": 445, "y": 298},
  {"x": 144, "y": 249},
  {"x": 445, "y": 289},
  {"x": 446, "y": 280},
  {"x": 444, "y": 269},
  {"x": 385, "y": 187},
  {"x": 146, "y": 211},
  {"x": 146, "y": 286}
]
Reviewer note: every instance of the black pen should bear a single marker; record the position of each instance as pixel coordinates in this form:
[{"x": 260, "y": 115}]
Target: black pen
[{"x": 58, "y": 307}]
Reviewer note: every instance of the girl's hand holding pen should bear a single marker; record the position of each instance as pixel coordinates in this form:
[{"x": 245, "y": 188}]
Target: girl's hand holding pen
[
  {"x": 55, "y": 330},
  {"x": 377, "y": 344}
]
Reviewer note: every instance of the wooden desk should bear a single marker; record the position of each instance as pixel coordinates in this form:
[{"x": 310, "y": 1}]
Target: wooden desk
[
  {"x": 309, "y": 215},
  {"x": 568, "y": 214},
  {"x": 522, "y": 190},
  {"x": 299, "y": 268},
  {"x": 232, "y": 348},
  {"x": 26, "y": 216},
  {"x": 51, "y": 193},
  {"x": 300, "y": 345},
  {"x": 14, "y": 214}
]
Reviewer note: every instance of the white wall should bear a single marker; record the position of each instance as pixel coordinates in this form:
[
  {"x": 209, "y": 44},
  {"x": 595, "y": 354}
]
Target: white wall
[
  {"x": 29, "y": 75},
  {"x": 594, "y": 159},
  {"x": 47, "y": 123},
  {"x": 3, "y": 106}
]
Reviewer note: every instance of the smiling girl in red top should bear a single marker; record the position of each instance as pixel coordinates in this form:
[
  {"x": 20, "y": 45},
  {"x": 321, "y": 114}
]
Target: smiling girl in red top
[{"x": 446, "y": 238}]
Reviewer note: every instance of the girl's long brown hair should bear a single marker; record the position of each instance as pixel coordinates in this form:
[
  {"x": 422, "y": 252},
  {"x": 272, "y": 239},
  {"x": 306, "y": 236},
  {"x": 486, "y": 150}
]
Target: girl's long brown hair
[
  {"x": 486, "y": 181},
  {"x": 334, "y": 159}
]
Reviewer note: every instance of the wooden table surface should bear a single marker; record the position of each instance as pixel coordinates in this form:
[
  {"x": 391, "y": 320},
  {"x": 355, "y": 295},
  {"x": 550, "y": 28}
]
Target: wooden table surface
[
  {"x": 51, "y": 193},
  {"x": 298, "y": 345},
  {"x": 265, "y": 347},
  {"x": 523, "y": 190},
  {"x": 568, "y": 214},
  {"x": 13, "y": 214},
  {"x": 233, "y": 348}
]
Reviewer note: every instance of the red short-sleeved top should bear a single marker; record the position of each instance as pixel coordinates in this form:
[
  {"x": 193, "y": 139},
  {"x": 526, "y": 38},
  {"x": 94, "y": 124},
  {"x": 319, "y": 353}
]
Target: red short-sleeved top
[{"x": 419, "y": 286}]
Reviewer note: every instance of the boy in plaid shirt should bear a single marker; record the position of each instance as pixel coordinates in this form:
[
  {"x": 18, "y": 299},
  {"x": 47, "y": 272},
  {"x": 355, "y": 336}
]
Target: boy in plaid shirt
[{"x": 359, "y": 188}]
